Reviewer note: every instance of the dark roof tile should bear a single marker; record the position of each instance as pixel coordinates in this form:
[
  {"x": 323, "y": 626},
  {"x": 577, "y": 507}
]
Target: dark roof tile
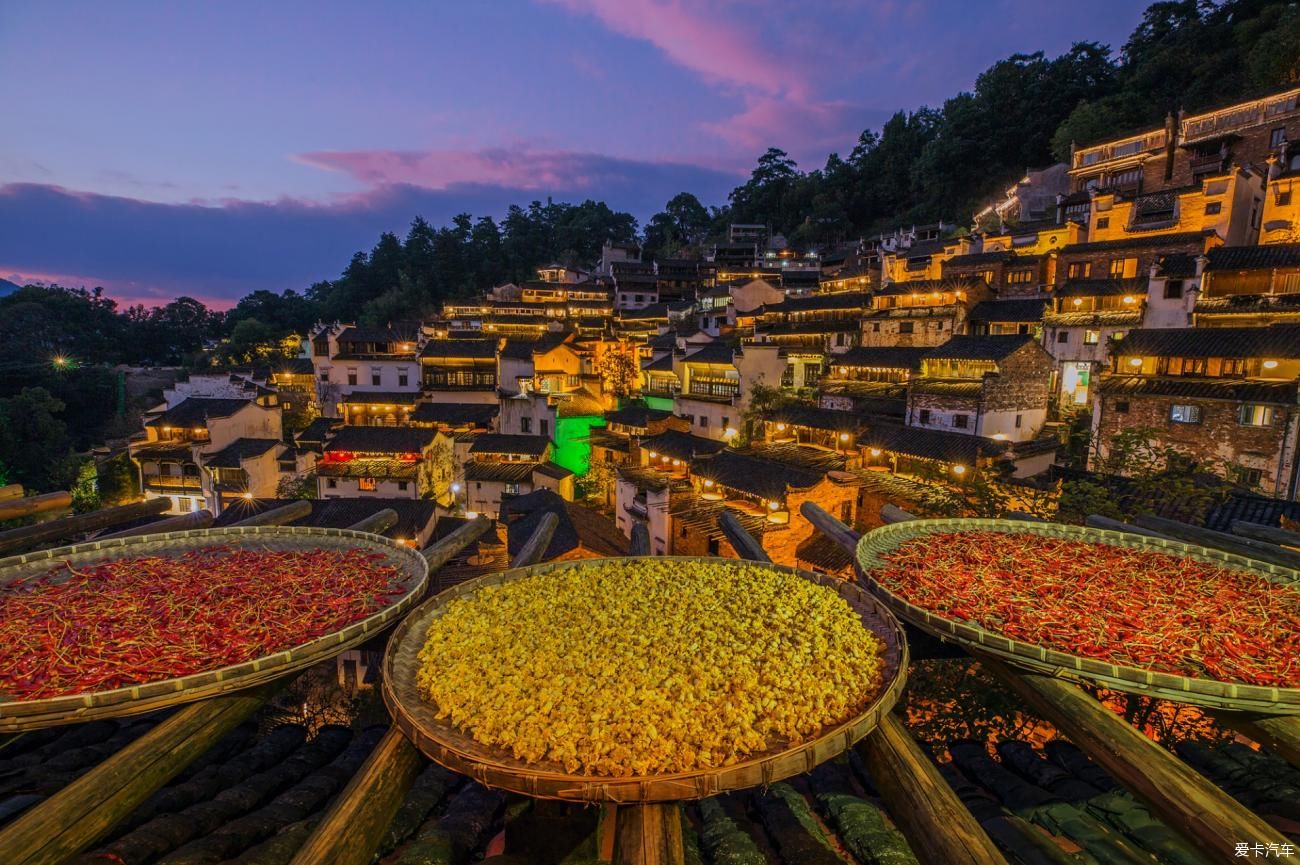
[
  {"x": 980, "y": 347},
  {"x": 502, "y": 443},
  {"x": 380, "y": 440},
  {"x": 1264, "y": 257}
]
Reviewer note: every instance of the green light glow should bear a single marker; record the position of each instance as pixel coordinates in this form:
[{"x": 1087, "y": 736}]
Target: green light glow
[
  {"x": 659, "y": 403},
  {"x": 571, "y": 448}
]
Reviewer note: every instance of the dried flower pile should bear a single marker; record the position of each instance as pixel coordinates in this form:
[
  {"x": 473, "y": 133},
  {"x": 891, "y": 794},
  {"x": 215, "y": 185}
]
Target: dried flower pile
[
  {"x": 132, "y": 621},
  {"x": 648, "y": 667},
  {"x": 1130, "y": 607}
]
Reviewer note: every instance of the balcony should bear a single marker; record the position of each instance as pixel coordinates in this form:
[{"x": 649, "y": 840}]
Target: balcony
[
  {"x": 725, "y": 389},
  {"x": 171, "y": 483},
  {"x": 1089, "y": 157},
  {"x": 1236, "y": 117}
]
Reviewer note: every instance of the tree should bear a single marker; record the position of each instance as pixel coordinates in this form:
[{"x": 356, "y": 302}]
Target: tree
[
  {"x": 34, "y": 443},
  {"x": 301, "y": 485},
  {"x": 1136, "y": 473},
  {"x": 619, "y": 372}
]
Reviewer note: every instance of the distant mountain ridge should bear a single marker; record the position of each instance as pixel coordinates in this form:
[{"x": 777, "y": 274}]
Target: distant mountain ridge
[{"x": 7, "y": 287}]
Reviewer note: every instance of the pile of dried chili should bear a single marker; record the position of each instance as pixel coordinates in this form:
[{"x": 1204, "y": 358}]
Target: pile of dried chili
[
  {"x": 132, "y": 621},
  {"x": 1130, "y": 607}
]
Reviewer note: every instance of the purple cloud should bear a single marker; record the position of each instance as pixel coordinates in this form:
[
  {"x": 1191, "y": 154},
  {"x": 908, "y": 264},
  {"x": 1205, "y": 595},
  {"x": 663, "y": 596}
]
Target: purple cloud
[{"x": 150, "y": 252}]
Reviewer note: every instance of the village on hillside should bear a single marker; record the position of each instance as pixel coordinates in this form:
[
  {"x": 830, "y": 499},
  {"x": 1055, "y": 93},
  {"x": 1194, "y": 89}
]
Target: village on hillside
[{"x": 1143, "y": 290}]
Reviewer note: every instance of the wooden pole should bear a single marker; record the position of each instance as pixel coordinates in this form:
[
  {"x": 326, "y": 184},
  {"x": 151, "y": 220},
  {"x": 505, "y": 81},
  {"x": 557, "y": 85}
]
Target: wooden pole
[
  {"x": 640, "y": 540},
  {"x": 83, "y": 812},
  {"x": 377, "y": 523},
  {"x": 11, "y": 491},
  {"x": 1174, "y": 790},
  {"x": 1280, "y": 733},
  {"x": 12, "y": 509},
  {"x": 534, "y": 549},
  {"x": 1097, "y": 521},
  {"x": 350, "y": 831},
  {"x": 24, "y": 537},
  {"x": 1271, "y": 534},
  {"x": 936, "y": 824},
  {"x": 1265, "y": 552},
  {"x": 746, "y": 545},
  {"x": 186, "y": 522},
  {"x": 649, "y": 835},
  {"x": 893, "y": 514},
  {"x": 281, "y": 516}
]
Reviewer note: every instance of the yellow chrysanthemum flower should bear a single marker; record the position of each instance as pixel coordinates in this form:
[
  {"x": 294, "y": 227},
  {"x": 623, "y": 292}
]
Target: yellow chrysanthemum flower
[{"x": 649, "y": 666}]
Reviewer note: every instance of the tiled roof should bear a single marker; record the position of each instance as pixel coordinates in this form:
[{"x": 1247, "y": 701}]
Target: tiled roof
[
  {"x": 553, "y": 470},
  {"x": 507, "y": 473},
  {"x": 194, "y": 412},
  {"x": 1177, "y": 265},
  {"x": 164, "y": 450},
  {"x": 230, "y": 456},
  {"x": 659, "y": 364},
  {"x": 884, "y": 357},
  {"x": 380, "y": 440},
  {"x": 396, "y": 333},
  {"x": 759, "y": 477},
  {"x": 1250, "y": 509},
  {"x": 317, "y": 431},
  {"x": 1263, "y": 257},
  {"x": 389, "y": 469},
  {"x": 838, "y": 300},
  {"x": 931, "y": 444},
  {"x": 967, "y": 347},
  {"x": 946, "y": 386},
  {"x": 1278, "y": 341},
  {"x": 455, "y": 413},
  {"x": 636, "y": 415},
  {"x": 1178, "y": 239},
  {"x": 1248, "y": 303},
  {"x": 715, "y": 352},
  {"x": 817, "y": 418},
  {"x": 381, "y": 397},
  {"x": 502, "y": 443},
  {"x": 973, "y": 259},
  {"x": 1102, "y": 288},
  {"x": 1232, "y": 389},
  {"x": 680, "y": 445},
  {"x": 926, "y": 286},
  {"x": 476, "y": 349},
  {"x": 1030, "y": 309}
]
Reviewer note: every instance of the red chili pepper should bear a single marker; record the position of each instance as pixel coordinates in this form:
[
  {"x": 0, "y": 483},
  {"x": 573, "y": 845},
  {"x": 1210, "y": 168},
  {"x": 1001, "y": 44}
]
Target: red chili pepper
[
  {"x": 132, "y": 621},
  {"x": 1128, "y": 606}
]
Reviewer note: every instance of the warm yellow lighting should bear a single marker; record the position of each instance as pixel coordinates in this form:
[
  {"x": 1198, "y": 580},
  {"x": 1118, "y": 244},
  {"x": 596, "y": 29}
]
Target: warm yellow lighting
[
  {"x": 1270, "y": 364},
  {"x": 780, "y": 427},
  {"x": 729, "y": 432},
  {"x": 959, "y": 470},
  {"x": 1001, "y": 437},
  {"x": 653, "y": 454},
  {"x": 472, "y": 515},
  {"x": 1137, "y": 361},
  {"x": 708, "y": 483},
  {"x": 1128, "y": 298},
  {"x": 774, "y": 506},
  {"x": 677, "y": 462},
  {"x": 875, "y": 452},
  {"x": 1078, "y": 301},
  {"x": 248, "y": 496},
  {"x": 844, "y": 437},
  {"x": 844, "y": 370}
]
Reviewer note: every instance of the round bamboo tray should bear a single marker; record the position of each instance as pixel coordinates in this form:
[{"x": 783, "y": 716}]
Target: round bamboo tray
[
  {"x": 21, "y": 715},
  {"x": 443, "y": 743},
  {"x": 1207, "y": 693}
]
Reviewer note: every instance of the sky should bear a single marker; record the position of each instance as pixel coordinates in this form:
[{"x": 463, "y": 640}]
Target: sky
[{"x": 159, "y": 149}]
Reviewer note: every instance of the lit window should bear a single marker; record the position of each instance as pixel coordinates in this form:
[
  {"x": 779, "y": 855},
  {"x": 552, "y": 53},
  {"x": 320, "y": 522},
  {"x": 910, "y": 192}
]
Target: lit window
[
  {"x": 1185, "y": 413},
  {"x": 367, "y": 484},
  {"x": 1251, "y": 414}
]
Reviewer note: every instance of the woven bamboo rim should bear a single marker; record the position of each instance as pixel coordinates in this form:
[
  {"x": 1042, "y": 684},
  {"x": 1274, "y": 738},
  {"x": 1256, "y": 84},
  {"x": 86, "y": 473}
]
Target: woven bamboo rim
[
  {"x": 1208, "y": 693},
  {"x": 458, "y": 751},
  {"x": 20, "y": 715}
]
